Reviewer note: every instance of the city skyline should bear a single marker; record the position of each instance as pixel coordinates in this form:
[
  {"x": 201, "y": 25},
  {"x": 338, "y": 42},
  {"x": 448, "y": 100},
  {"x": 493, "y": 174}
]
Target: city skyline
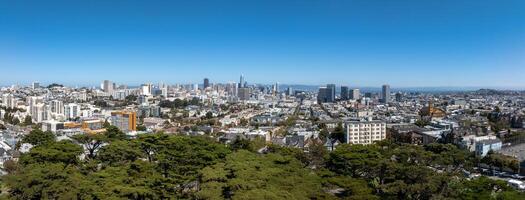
[{"x": 366, "y": 43}]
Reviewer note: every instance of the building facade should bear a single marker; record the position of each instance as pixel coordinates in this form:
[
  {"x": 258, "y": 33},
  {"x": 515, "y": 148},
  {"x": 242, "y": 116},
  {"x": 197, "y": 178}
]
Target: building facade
[
  {"x": 365, "y": 132},
  {"x": 385, "y": 94},
  {"x": 126, "y": 121},
  {"x": 345, "y": 95}
]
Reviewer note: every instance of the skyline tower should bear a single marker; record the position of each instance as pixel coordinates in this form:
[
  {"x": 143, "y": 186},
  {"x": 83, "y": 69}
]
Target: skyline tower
[
  {"x": 345, "y": 93},
  {"x": 206, "y": 83},
  {"x": 241, "y": 81},
  {"x": 385, "y": 94}
]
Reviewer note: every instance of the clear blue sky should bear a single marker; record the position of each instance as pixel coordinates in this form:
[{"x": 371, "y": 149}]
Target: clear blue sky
[{"x": 354, "y": 42}]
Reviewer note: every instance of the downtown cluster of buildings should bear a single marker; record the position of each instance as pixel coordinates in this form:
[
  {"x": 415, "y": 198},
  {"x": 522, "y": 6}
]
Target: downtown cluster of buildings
[{"x": 274, "y": 113}]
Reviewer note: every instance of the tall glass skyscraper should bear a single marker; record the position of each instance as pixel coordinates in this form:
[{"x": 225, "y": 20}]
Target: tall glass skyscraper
[{"x": 385, "y": 94}]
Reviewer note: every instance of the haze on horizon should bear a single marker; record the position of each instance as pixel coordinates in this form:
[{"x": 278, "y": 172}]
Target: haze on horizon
[{"x": 409, "y": 43}]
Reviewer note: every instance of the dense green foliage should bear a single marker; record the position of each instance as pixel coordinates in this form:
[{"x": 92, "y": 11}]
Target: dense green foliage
[
  {"x": 161, "y": 166},
  {"x": 38, "y": 137},
  {"x": 178, "y": 103},
  {"x": 246, "y": 175}
]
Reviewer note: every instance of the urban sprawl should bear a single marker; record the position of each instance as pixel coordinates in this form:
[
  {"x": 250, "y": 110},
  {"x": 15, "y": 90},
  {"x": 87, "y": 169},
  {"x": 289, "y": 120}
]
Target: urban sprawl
[{"x": 487, "y": 123}]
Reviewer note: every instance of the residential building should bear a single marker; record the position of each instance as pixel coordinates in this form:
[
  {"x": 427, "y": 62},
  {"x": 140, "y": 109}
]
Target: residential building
[
  {"x": 365, "y": 132},
  {"x": 483, "y": 147},
  {"x": 107, "y": 86},
  {"x": 126, "y": 121},
  {"x": 72, "y": 110}
]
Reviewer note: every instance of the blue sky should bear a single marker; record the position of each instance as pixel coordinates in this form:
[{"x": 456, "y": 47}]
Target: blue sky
[{"x": 354, "y": 42}]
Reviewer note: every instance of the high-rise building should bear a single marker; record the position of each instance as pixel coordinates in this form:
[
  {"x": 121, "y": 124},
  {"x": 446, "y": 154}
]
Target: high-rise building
[
  {"x": 241, "y": 82},
  {"x": 35, "y": 85},
  {"x": 34, "y": 100},
  {"x": 289, "y": 91},
  {"x": 275, "y": 89},
  {"x": 331, "y": 90},
  {"x": 322, "y": 95},
  {"x": 107, "y": 86},
  {"x": 399, "y": 97},
  {"x": 345, "y": 93},
  {"x": 39, "y": 112},
  {"x": 72, "y": 110},
  {"x": 244, "y": 93},
  {"x": 164, "y": 91},
  {"x": 9, "y": 101},
  {"x": 355, "y": 94},
  {"x": 365, "y": 132},
  {"x": 57, "y": 107},
  {"x": 206, "y": 83},
  {"x": 385, "y": 94},
  {"x": 126, "y": 121},
  {"x": 147, "y": 89}
]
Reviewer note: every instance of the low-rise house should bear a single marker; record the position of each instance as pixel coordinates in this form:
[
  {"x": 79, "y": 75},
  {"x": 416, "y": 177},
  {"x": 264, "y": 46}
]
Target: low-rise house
[{"x": 483, "y": 147}]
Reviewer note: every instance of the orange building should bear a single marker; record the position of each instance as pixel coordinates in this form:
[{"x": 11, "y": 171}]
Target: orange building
[{"x": 126, "y": 121}]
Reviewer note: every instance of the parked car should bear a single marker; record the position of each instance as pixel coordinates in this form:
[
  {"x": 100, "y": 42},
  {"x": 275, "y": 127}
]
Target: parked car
[
  {"x": 519, "y": 185},
  {"x": 505, "y": 175},
  {"x": 517, "y": 176}
]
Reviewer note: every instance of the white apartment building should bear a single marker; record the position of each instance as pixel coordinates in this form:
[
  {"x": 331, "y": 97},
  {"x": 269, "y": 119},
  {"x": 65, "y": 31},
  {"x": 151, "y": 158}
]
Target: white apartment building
[
  {"x": 9, "y": 101},
  {"x": 38, "y": 112},
  {"x": 57, "y": 107},
  {"x": 72, "y": 110},
  {"x": 365, "y": 132}
]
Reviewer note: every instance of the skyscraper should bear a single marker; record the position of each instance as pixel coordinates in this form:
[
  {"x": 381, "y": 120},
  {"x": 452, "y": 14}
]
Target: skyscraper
[
  {"x": 36, "y": 85},
  {"x": 355, "y": 94},
  {"x": 206, "y": 83},
  {"x": 326, "y": 94},
  {"x": 331, "y": 92},
  {"x": 322, "y": 95},
  {"x": 241, "y": 81},
  {"x": 147, "y": 89},
  {"x": 275, "y": 88},
  {"x": 385, "y": 94},
  {"x": 289, "y": 91},
  {"x": 244, "y": 93},
  {"x": 344, "y": 93},
  {"x": 107, "y": 86}
]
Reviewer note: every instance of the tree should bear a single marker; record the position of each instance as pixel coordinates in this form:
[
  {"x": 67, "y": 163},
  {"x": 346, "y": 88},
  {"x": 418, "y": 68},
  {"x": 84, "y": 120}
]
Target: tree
[
  {"x": 141, "y": 128},
  {"x": 106, "y": 124},
  {"x": 119, "y": 152},
  {"x": 28, "y": 121},
  {"x": 422, "y": 122},
  {"x": 339, "y": 133},
  {"x": 91, "y": 142},
  {"x": 38, "y": 137},
  {"x": 49, "y": 181},
  {"x": 10, "y": 166},
  {"x": 209, "y": 115},
  {"x": 55, "y": 152},
  {"x": 114, "y": 133},
  {"x": 15, "y": 121},
  {"x": 246, "y": 175},
  {"x": 54, "y": 85}
]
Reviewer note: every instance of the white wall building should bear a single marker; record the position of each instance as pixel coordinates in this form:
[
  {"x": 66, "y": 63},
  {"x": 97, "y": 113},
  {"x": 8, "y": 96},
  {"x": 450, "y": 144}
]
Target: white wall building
[
  {"x": 72, "y": 110},
  {"x": 365, "y": 132}
]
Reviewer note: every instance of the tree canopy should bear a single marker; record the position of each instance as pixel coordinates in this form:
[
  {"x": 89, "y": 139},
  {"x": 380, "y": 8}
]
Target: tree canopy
[{"x": 162, "y": 166}]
